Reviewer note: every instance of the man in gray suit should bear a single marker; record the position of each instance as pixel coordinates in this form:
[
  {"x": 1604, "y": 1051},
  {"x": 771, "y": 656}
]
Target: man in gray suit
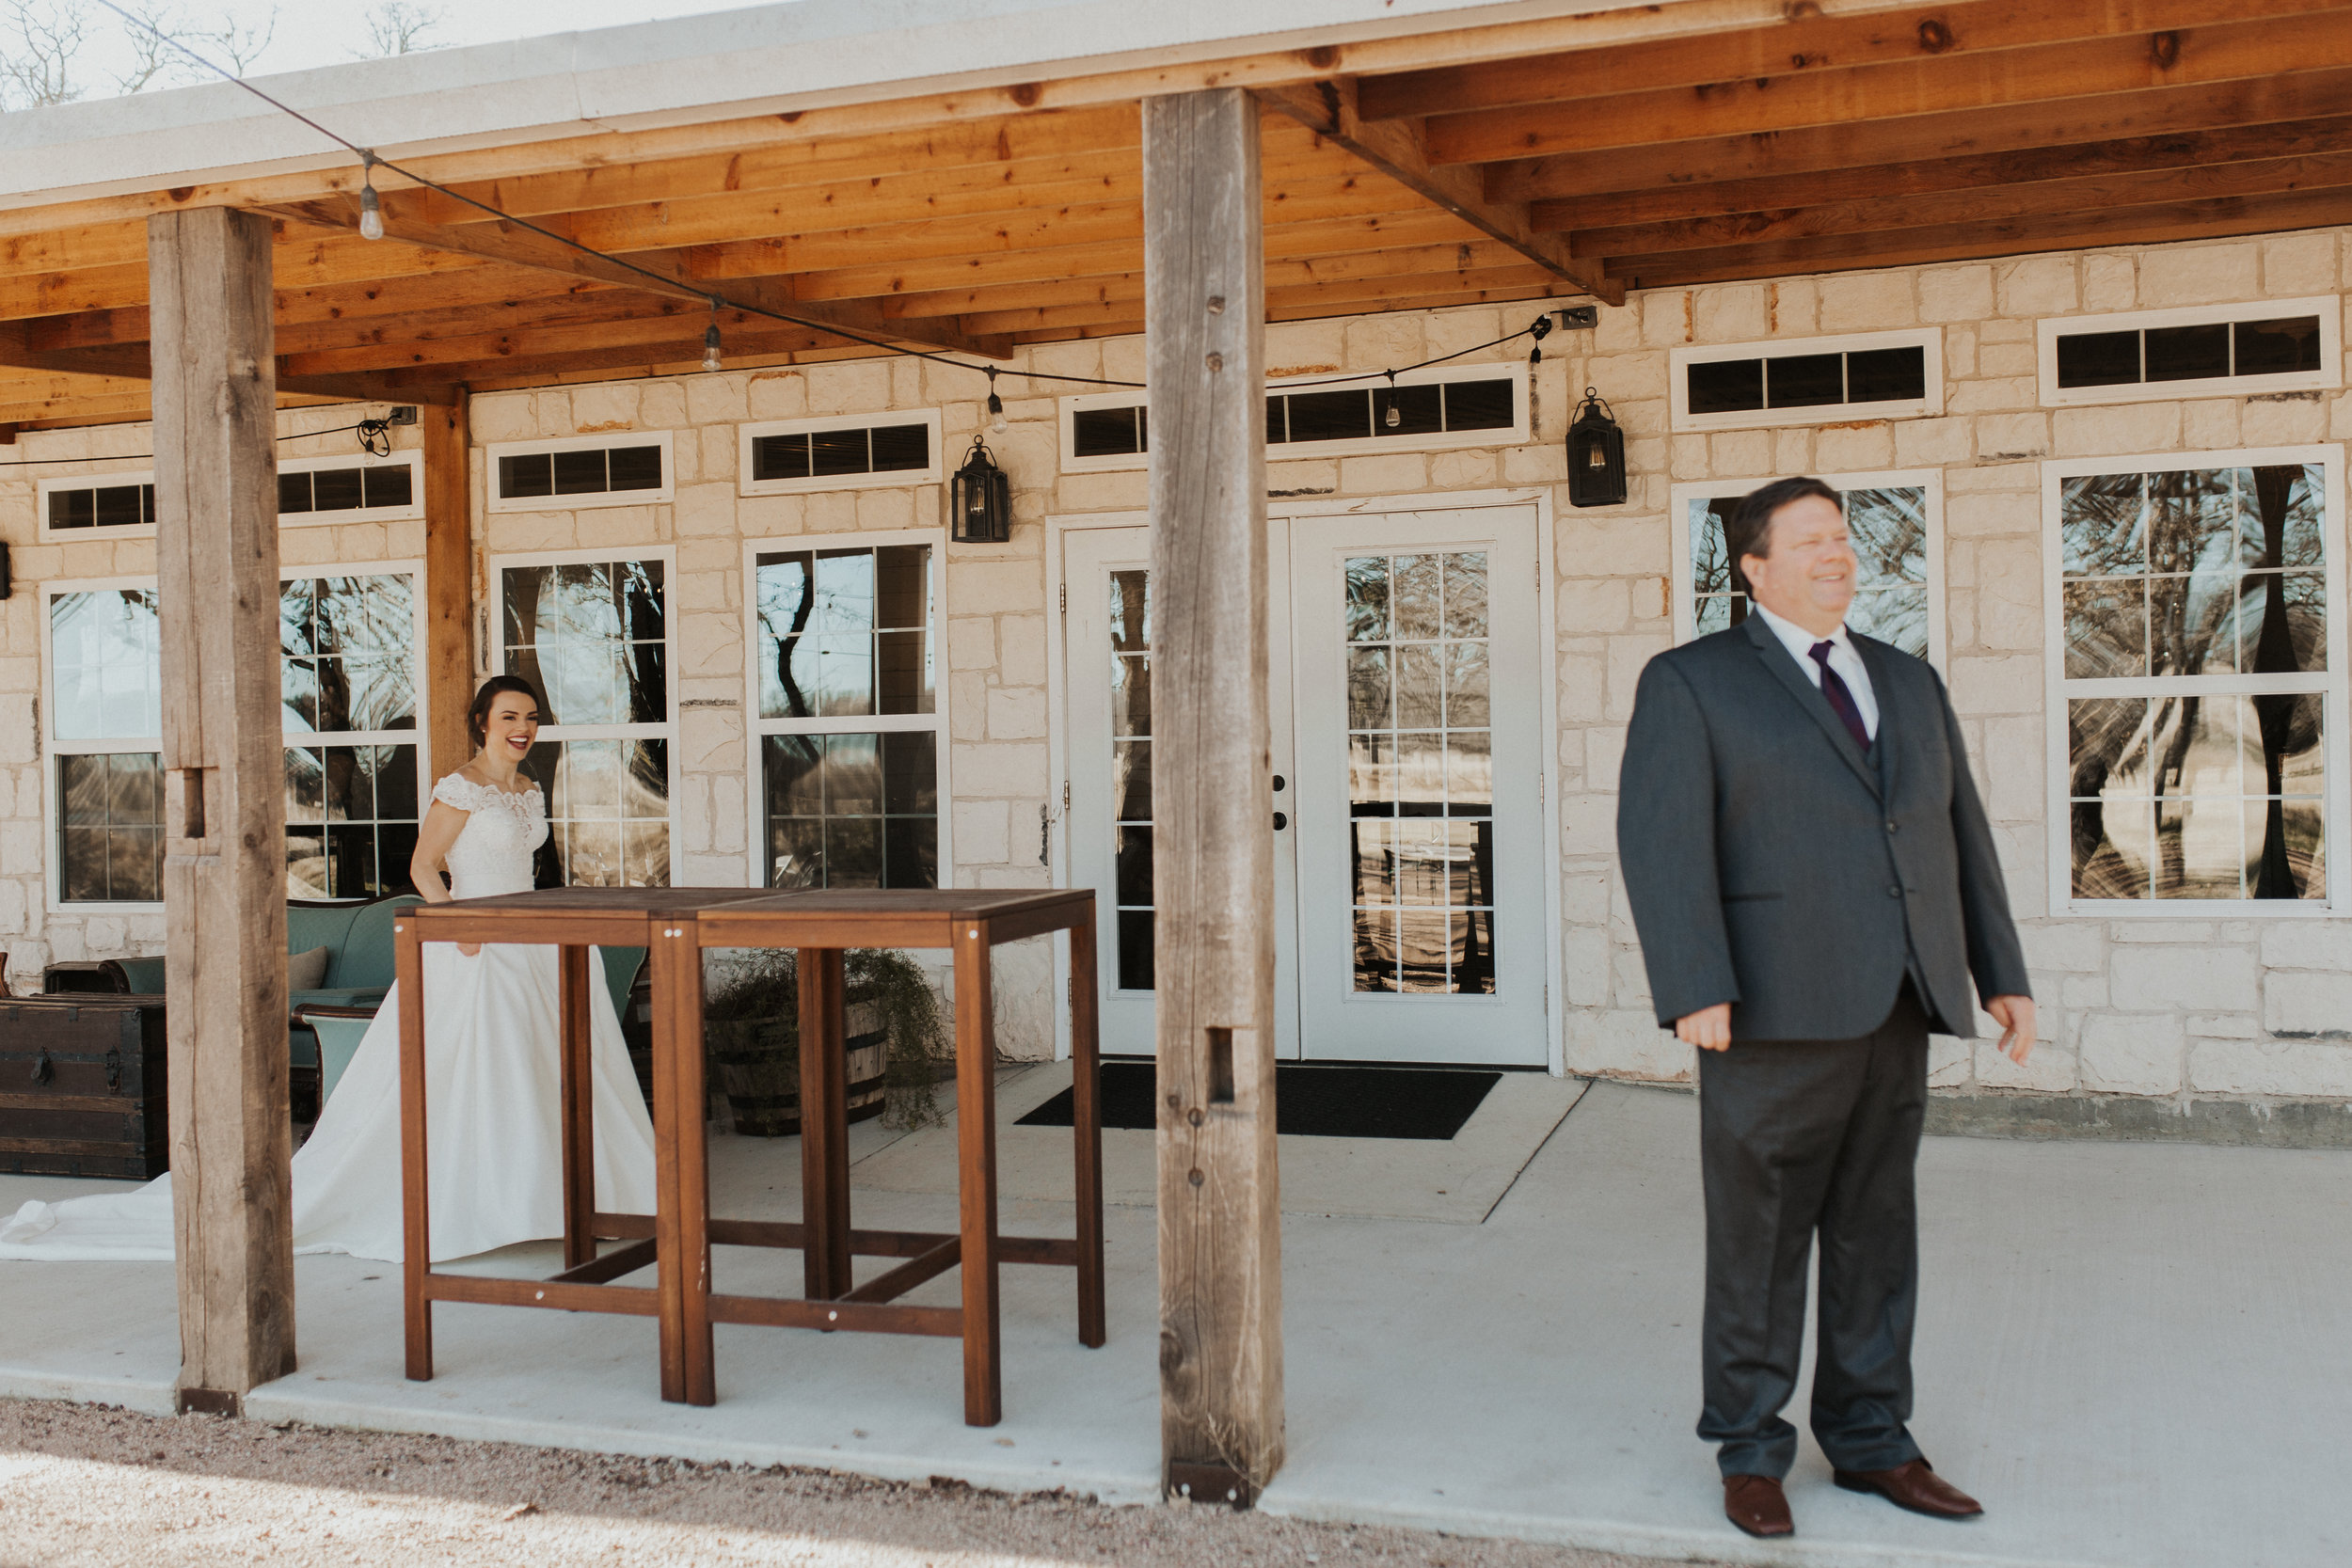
[{"x": 1815, "y": 886}]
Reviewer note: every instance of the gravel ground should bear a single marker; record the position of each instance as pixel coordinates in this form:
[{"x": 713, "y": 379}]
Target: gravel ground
[{"x": 98, "y": 1487}]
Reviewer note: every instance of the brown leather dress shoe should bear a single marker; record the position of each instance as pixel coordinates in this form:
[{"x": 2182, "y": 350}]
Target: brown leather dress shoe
[
  {"x": 1757, "y": 1505},
  {"x": 1915, "y": 1486}
]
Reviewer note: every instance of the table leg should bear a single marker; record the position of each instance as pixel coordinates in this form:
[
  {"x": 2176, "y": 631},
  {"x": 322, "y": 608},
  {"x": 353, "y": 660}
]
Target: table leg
[
  {"x": 824, "y": 1125},
  {"x": 416, "y": 1250},
  {"x": 682, "y": 1167},
  {"x": 1086, "y": 1081},
  {"x": 975, "y": 1172},
  {"x": 580, "y": 1170}
]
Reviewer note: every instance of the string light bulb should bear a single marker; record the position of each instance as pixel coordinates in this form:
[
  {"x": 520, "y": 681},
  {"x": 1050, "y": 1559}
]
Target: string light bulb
[
  {"x": 371, "y": 207},
  {"x": 1396, "y": 416},
  {"x": 1539, "y": 329},
  {"x": 996, "y": 405},
  {"x": 710, "y": 340}
]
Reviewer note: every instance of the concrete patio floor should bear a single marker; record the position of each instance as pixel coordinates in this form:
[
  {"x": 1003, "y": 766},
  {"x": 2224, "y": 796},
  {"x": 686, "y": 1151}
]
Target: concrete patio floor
[{"x": 2133, "y": 1353}]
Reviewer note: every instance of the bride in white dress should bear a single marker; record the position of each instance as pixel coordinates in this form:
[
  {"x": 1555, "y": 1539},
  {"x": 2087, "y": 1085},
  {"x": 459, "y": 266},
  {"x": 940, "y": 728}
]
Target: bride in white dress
[{"x": 492, "y": 1067}]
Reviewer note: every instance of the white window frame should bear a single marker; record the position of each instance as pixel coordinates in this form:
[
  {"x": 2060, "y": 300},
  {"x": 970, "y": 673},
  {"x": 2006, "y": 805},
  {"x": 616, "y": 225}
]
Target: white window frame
[
  {"x": 1929, "y": 338},
  {"x": 2328, "y": 307},
  {"x": 89, "y": 481},
  {"x": 895, "y": 479},
  {"x": 1930, "y": 481},
  {"x": 51, "y": 808},
  {"x": 667, "y": 730},
  {"x": 411, "y": 459},
  {"x": 2336, "y": 745},
  {"x": 1518, "y": 433},
  {"x": 493, "y": 501},
  {"x": 756, "y": 728}
]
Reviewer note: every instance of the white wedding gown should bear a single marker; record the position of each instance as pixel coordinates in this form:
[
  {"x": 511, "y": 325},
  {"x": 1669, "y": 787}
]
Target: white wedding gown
[{"x": 492, "y": 1065}]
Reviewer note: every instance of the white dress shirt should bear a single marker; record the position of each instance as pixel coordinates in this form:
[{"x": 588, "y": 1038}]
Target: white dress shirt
[{"x": 1842, "y": 658}]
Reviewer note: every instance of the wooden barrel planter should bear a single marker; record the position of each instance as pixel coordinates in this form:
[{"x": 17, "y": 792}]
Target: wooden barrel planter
[{"x": 757, "y": 1062}]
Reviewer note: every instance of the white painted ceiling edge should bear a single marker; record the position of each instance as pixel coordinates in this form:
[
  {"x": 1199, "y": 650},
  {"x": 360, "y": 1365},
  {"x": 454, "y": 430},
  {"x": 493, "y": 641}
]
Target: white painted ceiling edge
[{"x": 775, "y": 58}]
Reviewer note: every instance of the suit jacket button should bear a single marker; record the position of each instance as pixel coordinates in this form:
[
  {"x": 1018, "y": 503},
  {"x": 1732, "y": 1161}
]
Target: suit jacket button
[
  {"x": 1894, "y": 893},
  {"x": 1892, "y": 825}
]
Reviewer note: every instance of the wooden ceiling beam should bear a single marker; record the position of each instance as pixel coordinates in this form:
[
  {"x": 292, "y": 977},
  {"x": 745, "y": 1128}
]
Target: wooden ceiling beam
[
  {"x": 130, "y": 362},
  {"x": 1518, "y": 273},
  {"x": 2202, "y": 149},
  {"x": 2010, "y": 128},
  {"x": 2125, "y": 226},
  {"x": 628, "y": 338},
  {"x": 2225, "y": 51},
  {"x": 1399, "y": 150},
  {"x": 1980, "y": 205},
  {"x": 1805, "y": 41},
  {"x": 515, "y": 246}
]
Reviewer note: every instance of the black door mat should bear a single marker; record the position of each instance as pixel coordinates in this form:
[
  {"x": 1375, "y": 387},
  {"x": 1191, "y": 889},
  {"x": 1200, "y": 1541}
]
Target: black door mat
[{"x": 1311, "y": 1100}]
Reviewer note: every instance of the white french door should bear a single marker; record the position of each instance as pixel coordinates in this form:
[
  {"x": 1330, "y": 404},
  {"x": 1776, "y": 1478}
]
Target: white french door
[{"x": 1409, "y": 845}]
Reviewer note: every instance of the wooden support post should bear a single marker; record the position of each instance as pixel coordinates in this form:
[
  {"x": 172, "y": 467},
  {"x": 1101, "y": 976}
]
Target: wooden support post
[
  {"x": 824, "y": 1126},
  {"x": 448, "y": 583},
  {"x": 1213, "y": 851},
  {"x": 225, "y": 810}
]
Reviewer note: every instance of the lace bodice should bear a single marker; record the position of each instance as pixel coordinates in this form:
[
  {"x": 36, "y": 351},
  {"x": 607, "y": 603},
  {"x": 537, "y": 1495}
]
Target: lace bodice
[{"x": 502, "y": 830}]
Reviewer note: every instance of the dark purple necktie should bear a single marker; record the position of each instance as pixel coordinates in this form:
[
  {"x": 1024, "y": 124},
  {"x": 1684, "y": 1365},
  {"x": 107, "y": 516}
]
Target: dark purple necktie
[{"x": 1833, "y": 687}]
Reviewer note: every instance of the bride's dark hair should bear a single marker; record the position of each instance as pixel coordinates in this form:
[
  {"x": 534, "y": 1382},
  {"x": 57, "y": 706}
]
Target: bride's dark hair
[{"x": 477, "y": 711}]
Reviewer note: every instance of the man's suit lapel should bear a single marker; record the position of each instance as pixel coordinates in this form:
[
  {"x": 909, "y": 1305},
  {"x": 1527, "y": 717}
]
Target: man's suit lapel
[
  {"x": 1783, "y": 665},
  {"x": 1889, "y": 730}
]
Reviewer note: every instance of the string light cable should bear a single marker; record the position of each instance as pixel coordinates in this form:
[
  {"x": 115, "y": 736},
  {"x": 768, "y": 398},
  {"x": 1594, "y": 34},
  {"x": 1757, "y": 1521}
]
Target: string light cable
[
  {"x": 371, "y": 207},
  {"x": 375, "y": 438}
]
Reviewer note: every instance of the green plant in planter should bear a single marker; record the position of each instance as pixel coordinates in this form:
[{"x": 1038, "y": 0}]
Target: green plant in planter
[{"x": 897, "y": 1038}]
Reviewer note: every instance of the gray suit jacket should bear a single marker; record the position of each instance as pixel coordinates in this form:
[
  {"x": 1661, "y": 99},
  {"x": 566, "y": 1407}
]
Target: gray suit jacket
[{"x": 1773, "y": 864}]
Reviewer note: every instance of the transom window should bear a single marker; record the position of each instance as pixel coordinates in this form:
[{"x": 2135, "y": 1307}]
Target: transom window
[
  {"x": 795, "y": 456},
  {"x": 1896, "y": 523},
  {"x": 845, "y": 657},
  {"x": 2198, "y": 663},
  {"x": 2278, "y": 345},
  {"x": 592, "y": 634},
  {"x": 578, "y": 472},
  {"x": 1883, "y": 376}
]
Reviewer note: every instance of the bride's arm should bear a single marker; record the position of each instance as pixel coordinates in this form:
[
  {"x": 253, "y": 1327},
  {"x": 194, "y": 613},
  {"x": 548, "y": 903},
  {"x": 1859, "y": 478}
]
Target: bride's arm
[{"x": 435, "y": 835}]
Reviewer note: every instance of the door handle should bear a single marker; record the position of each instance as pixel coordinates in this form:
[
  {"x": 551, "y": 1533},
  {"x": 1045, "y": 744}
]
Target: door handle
[{"x": 1281, "y": 821}]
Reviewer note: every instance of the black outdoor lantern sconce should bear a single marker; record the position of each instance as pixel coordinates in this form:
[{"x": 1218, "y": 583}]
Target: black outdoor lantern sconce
[
  {"x": 1596, "y": 455},
  {"x": 981, "y": 495}
]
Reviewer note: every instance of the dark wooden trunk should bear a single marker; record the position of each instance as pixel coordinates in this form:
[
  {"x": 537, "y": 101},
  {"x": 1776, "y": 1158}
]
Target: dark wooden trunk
[{"x": 82, "y": 1087}]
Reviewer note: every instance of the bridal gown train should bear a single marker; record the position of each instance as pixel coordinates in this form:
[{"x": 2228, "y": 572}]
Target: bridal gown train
[{"x": 492, "y": 1071}]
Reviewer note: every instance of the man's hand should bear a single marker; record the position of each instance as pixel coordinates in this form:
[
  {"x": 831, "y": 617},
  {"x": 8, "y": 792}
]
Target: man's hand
[
  {"x": 2014, "y": 1014},
  {"x": 1710, "y": 1028}
]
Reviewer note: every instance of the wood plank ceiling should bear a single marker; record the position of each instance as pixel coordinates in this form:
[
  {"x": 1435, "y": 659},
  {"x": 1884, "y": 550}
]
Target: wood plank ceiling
[{"x": 1817, "y": 142}]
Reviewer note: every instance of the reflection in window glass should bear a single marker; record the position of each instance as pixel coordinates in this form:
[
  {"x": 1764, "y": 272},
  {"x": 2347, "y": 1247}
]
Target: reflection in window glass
[
  {"x": 347, "y": 653},
  {"x": 351, "y": 820},
  {"x": 2182, "y": 791},
  {"x": 1131, "y": 773},
  {"x": 844, "y": 632},
  {"x": 607, "y": 812},
  {"x": 105, "y": 679},
  {"x": 106, "y": 655},
  {"x": 852, "y": 810},
  {"x": 1421, "y": 785},
  {"x": 1889, "y": 528},
  {"x": 110, "y": 814}
]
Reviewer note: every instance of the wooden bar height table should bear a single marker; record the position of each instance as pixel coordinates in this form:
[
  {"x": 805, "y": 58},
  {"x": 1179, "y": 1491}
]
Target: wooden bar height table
[{"x": 675, "y": 925}]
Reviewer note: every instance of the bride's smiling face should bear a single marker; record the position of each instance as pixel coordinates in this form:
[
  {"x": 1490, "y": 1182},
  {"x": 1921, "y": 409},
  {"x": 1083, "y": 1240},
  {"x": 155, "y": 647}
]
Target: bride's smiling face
[{"x": 511, "y": 726}]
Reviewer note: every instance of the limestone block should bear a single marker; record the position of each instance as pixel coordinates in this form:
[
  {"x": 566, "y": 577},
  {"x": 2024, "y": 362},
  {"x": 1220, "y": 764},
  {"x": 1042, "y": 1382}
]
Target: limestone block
[
  {"x": 2132, "y": 1054},
  {"x": 1383, "y": 473},
  {"x": 2287, "y": 418},
  {"x": 1627, "y": 655},
  {"x": 1584, "y": 900},
  {"x": 987, "y": 587},
  {"x": 1667, "y": 318},
  {"x": 1993, "y": 396},
  {"x": 2299, "y": 1070},
  {"x": 1617, "y": 544},
  {"x": 1604, "y": 754},
  {"x": 2164, "y": 931},
  {"x": 1960, "y": 352},
  {"x": 2307, "y": 1001},
  {"x": 1588, "y": 606},
  {"x": 623, "y": 527},
  {"x": 1686, "y": 457},
  {"x": 2299, "y": 264},
  {"x": 967, "y": 705},
  {"x": 1079, "y": 357},
  {"x": 847, "y": 386},
  {"x": 2127, "y": 427},
  {"x": 1463, "y": 470},
  {"x": 2199, "y": 274},
  {"x": 972, "y": 642},
  {"x": 502, "y": 416},
  {"x": 1315, "y": 477},
  {"x": 1950, "y": 1061},
  {"x": 1921, "y": 443},
  {"x": 1016, "y": 713},
  {"x": 2110, "y": 283},
  {"x": 605, "y": 406},
  {"x": 980, "y": 832},
  {"x": 2013, "y": 435},
  {"x": 708, "y": 590},
  {"x": 1545, "y": 465},
  {"x": 660, "y": 406},
  {"x": 1855, "y": 448},
  {"x": 716, "y": 453},
  {"x": 1020, "y": 650},
  {"x": 766, "y": 517},
  {"x": 21, "y": 846},
  {"x": 1792, "y": 451},
  {"x": 2224, "y": 1027},
  {"x": 2308, "y": 944},
  {"x": 553, "y": 411},
  {"x": 2007, "y": 682},
  {"x": 1624, "y": 378},
  {"x": 14, "y": 907},
  {"x": 895, "y": 508},
  {"x": 2009, "y": 598},
  {"x": 1617, "y": 1043},
  {"x": 705, "y": 509},
  {"x": 404, "y": 539},
  {"x": 1733, "y": 312},
  {"x": 19, "y": 736},
  {"x": 1868, "y": 301},
  {"x": 64, "y": 946},
  {"x": 2206, "y": 978},
  {"x": 1381, "y": 341},
  {"x": 710, "y": 642},
  {"x": 1452, "y": 331},
  {"x": 1583, "y": 688},
  {"x": 1126, "y": 490},
  {"x": 1796, "y": 306},
  {"x": 2036, "y": 286},
  {"x": 1584, "y": 965},
  {"x": 1619, "y": 327},
  {"x": 2011, "y": 775},
  {"x": 2051, "y": 1068},
  {"x": 1588, "y": 824},
  {"x": 2074, "y": 992},
  {"x": 1740, "y": 454},
  {"x": 2340, "y": 416},
  {"x": 1629, "y": 981},
  {"x": 1956, "y": 295},
  {"x": 1990, "y": 475},
  {"x": 1002, "y": 769},
  {"x": 2209, "y": 424}
]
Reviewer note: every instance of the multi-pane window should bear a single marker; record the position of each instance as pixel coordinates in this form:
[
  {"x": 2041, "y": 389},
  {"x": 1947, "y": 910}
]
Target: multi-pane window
[
  {"x": 2208, "y": 351},
  {"x": 106, "y": 723},
  {"x": 568, "y": 474},
  {"x": 1456, "y": 406},
  {"x": 839, "y": 454},
  {"x": 1892, "y": 520},
  {"x": 348, "y": 680},
  {"x": 593, "y": 637},
  {"x": 1876, "y": 375},
  {"x": 1420, "y": 774},
  {"x": 348, "y": 690},
  {"x": 846, "y": 668},
  {"x": 2192, "y": 612},
  {"x": 1131, "y": 772},
  {"x": 89, "y": 507},
  {"x": 343, "y": 490}
]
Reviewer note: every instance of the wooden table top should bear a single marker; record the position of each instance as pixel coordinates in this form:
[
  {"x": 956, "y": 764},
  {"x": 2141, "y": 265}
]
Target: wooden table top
[{"x": 739, "y": 916}]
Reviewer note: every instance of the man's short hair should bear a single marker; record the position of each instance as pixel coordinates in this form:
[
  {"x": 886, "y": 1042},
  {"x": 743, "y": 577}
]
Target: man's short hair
[{"x": 1749, "y": 529}]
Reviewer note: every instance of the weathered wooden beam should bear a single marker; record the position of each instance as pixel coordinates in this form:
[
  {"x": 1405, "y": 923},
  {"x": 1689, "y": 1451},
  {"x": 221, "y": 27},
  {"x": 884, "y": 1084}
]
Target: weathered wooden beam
[
  {"x": 132, "y": 361},
  {"x": 224, "y": 802},
  {"x": 1399, "y": 150},
  {"x": 2232, "y": 51},
  {"x": 1221, "y": 1430},
  {"x": 655, "y": 273},
  {"x": 448, "y": 654},
  {"x": 1805, "y": 41},
  {"x": 1865, "y": 145}
]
